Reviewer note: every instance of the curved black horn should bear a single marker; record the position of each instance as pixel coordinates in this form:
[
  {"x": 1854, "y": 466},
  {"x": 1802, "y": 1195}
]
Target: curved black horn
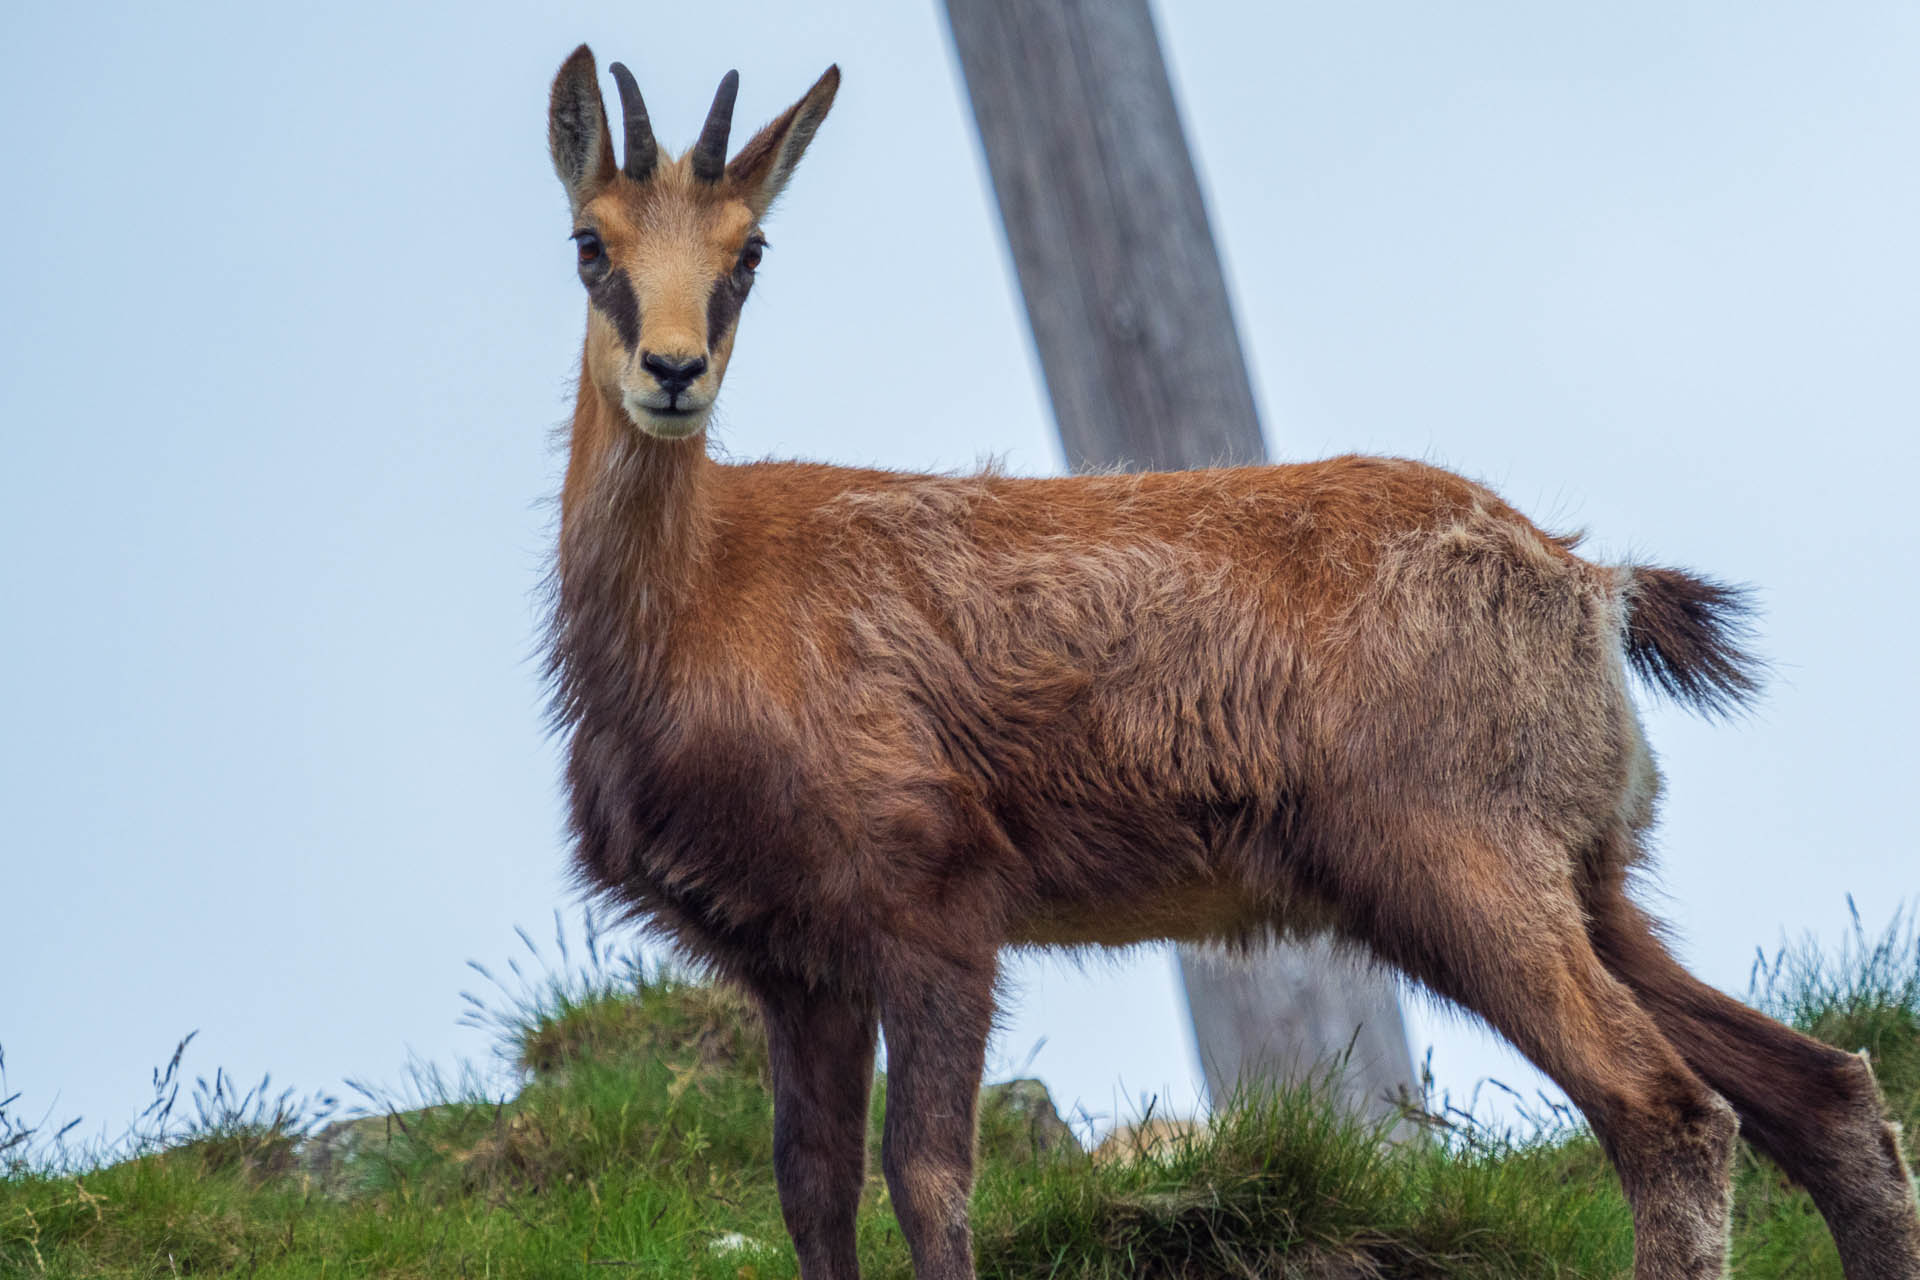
[
  {"x": 641, "y": 149},
  {"x": 710, "y": 153}
]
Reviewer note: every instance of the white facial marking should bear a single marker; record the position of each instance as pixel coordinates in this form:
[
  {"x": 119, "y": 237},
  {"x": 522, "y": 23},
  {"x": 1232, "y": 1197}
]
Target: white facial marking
[{"x": 665, "y": 426}]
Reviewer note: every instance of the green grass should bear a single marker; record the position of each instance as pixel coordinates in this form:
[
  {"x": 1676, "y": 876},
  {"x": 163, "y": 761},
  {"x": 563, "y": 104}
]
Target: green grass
[{"x": 641, "y": 1145}]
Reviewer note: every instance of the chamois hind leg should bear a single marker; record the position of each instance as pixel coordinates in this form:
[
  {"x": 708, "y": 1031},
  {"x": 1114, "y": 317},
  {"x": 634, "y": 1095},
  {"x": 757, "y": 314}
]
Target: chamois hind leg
[
  {"x": 1498, "y": 928},
  {"x": 1813, "y": 1110},
  {"x": 820, "y": 1050},
  {"x": 937, "y": 1015}
]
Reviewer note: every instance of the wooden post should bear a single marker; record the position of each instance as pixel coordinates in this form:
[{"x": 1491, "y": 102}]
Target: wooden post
[{"x": 1129, "y": 310}]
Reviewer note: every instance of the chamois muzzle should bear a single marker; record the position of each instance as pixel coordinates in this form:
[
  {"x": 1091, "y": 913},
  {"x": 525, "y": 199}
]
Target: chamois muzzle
[{"x": 674, "y": 373}]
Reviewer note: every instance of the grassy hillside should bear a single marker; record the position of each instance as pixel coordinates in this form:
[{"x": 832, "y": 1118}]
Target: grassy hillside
[{"x": 641, "y": 1145}]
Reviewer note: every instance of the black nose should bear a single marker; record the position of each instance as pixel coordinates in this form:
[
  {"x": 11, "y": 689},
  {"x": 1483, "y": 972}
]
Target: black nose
[{"x": 674, "y": 373}]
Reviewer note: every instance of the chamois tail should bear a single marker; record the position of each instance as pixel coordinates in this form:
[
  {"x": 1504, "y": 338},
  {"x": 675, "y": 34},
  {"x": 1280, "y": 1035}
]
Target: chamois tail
[{"x": 1687, "y": 637}]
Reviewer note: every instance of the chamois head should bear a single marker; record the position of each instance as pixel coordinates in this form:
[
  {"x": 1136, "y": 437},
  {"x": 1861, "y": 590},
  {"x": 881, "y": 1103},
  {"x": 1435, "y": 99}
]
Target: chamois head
[{"x": 667, "y": 246}]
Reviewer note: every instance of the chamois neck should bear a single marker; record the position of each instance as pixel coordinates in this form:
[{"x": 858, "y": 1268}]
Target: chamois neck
[{"x": 632, "y": 519}]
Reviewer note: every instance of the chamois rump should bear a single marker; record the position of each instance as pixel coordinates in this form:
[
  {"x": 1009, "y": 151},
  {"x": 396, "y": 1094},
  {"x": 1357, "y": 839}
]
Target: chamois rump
[{"x": 844, "y": 734}]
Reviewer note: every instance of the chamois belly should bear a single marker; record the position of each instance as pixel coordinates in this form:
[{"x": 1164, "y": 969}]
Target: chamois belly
[{"x": 1192, "y": 913}]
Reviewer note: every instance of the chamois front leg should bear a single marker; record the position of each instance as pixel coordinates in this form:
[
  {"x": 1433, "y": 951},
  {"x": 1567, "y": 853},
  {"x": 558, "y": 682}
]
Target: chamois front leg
[
  {"x": 936, "y": 1026},
  {"x": 820, "y": 1049}
]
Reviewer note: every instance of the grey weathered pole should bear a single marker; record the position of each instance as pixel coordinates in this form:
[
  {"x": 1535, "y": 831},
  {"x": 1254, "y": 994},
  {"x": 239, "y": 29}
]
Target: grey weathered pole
[{"x": 1130, "y": 314}]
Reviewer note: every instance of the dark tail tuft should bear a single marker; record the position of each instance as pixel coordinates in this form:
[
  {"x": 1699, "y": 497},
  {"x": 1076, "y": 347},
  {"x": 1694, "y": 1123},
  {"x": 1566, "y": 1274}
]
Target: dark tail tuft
[{"x": 1686, "y": 636}]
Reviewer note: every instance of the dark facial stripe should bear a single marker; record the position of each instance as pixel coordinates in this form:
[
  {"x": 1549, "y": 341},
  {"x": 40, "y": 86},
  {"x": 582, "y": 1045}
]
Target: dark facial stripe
[
  {"x": 612, "y": 295},
  {"x": 723, "y": 306}
]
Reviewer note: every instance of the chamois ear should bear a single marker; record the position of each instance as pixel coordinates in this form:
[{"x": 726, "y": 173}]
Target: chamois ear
[
  {"x": 577, "y": 131},
  {"x": 763, "y": 166}
]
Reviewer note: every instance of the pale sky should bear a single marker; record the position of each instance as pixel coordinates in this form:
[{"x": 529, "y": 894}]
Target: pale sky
[{"x": 289, "y": 316}]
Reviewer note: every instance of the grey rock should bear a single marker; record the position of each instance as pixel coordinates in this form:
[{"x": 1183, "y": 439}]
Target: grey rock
[
  {"x": 1019, "y": 1121},
  {"x": 347, "y": 1155}
]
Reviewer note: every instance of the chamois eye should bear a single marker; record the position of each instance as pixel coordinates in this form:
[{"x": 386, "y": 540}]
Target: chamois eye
[
  {"x": 588, "y": 245},
  {"x": 750, "y": 256}
]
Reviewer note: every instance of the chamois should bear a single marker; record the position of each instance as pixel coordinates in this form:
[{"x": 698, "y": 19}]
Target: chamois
[{"x": 843, "y": 735}]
